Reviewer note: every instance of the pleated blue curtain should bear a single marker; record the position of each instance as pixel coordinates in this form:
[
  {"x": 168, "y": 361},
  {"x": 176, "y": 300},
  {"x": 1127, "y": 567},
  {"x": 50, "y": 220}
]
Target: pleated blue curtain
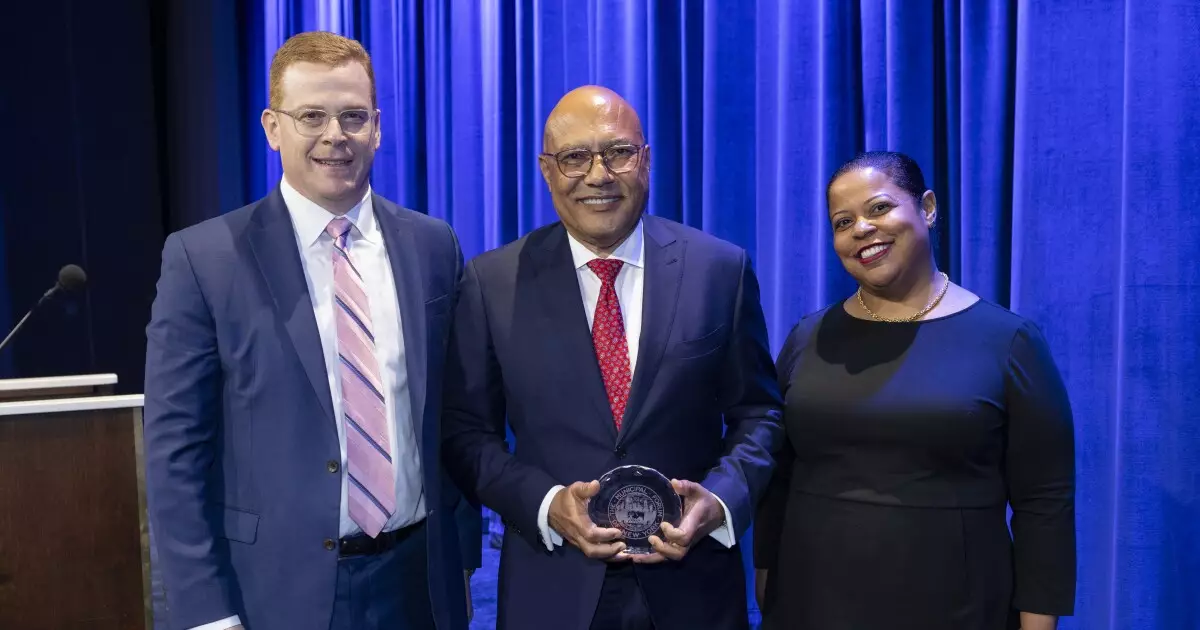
[
  {"x": 1062, "y": 138},
  {"x": 1106, "y": 183}
]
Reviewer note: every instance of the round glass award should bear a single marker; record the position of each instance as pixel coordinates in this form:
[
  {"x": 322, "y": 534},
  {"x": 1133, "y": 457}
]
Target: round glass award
[{"x": 635, "y": 500}]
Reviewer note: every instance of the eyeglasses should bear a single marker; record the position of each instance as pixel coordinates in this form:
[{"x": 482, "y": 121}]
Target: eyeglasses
[
  {"x": 618, "y": 159},
  {"x": 312, "y": 122}
]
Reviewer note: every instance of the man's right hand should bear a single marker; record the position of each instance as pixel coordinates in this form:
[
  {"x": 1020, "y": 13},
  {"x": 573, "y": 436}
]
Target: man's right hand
[{"x": 568, "y": 516}]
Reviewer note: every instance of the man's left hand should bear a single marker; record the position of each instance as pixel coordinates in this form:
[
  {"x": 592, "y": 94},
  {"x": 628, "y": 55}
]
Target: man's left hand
[{"x": 702, "y": 514}]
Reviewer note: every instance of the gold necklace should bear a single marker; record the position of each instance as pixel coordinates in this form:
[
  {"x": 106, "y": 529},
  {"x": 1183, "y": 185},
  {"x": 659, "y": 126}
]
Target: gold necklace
[{"x": 928, "y": 307}]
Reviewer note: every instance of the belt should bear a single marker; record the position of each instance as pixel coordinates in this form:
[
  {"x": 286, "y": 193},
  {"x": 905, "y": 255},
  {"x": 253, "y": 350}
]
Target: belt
[{"x": 364, "y": 545}]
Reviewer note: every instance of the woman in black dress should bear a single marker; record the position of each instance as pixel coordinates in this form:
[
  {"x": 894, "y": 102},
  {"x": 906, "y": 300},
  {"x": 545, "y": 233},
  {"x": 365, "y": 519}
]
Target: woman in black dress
[{"x": 916, "y": 414}]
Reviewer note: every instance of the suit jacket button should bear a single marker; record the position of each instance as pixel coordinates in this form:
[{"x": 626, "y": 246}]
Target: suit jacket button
[
  {"x": 332, "y": 466},
  {"x": 620, "y": 453},
  {"x": 329, "y": 544}
]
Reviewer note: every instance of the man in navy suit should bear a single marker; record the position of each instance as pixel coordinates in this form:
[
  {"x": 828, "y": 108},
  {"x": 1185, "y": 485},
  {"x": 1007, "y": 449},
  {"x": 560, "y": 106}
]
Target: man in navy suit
[
  {"x": 611, "y": 338},
  {"x": 293, "y": 386}
]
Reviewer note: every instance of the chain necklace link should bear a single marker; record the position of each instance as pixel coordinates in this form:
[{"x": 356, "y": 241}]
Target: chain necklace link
[{"x": 922, "y": 313}]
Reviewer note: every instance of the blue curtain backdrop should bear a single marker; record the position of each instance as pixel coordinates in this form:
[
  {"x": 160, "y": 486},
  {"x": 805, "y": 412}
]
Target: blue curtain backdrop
[{"x": 1062, "y": 138}]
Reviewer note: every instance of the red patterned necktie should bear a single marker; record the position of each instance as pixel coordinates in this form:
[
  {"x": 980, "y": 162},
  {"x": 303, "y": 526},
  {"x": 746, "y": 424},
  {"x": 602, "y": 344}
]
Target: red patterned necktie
[{"x": 608, "y": 337}]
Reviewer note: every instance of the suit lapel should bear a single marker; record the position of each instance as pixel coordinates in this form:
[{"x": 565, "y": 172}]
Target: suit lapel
[
  {"x": 405, "y": 254},
  {"x": 660, "y": 294},
  {"x": 273, "y": 241},
  {"x": 557, "y": 286}
]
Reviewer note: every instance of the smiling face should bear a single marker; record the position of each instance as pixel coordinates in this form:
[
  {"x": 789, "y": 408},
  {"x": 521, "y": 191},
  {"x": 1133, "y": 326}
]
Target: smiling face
[
  {"x": 599, "y": 208},
  {"x": 331, "y": 168},
  {"x": 880, "y": 232}
]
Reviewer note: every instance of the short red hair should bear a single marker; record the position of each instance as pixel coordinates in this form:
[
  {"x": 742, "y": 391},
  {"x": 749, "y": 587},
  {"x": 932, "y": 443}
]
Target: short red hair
[{"x": 321, "y": 47}]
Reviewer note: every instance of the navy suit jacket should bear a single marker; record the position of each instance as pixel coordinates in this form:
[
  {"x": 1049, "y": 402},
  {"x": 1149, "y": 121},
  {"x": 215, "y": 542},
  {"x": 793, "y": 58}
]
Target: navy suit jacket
[
  {"x": 704, "y": 405},
  {"x": 239, "y": 423}
]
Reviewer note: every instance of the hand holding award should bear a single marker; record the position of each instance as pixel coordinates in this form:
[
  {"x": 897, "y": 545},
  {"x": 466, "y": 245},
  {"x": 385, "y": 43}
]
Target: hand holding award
[
  {"x": 568, "y": 515},
  {"x": 660, "y": 519},
  {"x": 638, "y": 501}
]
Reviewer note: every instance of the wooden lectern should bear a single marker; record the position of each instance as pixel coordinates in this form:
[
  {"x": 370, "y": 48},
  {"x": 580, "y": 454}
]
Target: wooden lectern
[{"x": 74, "y": 543}]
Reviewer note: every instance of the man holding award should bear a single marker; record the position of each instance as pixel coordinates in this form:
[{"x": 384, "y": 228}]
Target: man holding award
[{"x": 629, "y": 355}]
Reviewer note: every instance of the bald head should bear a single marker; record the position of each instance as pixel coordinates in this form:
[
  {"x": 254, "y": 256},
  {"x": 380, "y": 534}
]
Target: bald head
[
  {"x": 586, "y": 110},
  {"x": 600, "y": 201}
]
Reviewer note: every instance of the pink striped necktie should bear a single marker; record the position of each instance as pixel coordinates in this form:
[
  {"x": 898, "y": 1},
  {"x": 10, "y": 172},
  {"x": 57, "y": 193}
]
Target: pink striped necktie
[{"x": 372, "y": 484}]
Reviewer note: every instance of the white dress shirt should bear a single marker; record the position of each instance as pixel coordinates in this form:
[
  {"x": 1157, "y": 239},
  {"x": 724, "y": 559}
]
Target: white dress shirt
[
  {"x": 629, "y": 285},
  {"x": 366, "y": 248}
]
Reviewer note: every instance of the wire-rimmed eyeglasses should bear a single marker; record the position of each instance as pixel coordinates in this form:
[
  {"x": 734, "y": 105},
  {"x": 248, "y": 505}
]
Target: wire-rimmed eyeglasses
[
  {"x": 619, "y": 158},
  {"x": 313, "y": 122}
]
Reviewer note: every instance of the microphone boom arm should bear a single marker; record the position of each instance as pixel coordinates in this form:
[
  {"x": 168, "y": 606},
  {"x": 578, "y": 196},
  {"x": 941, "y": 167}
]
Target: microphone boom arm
[{"x": 46, "y": 296}]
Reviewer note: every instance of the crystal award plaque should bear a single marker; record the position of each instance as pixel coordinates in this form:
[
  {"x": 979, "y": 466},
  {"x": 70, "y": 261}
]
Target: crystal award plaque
[{"x": 635, "y": 500}]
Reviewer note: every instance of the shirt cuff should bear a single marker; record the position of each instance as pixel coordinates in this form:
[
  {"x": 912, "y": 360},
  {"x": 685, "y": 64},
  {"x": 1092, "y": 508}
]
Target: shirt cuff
[
  {"x": 223, "y": 624},
  {"x": 724, "y": 533},
  {"x": 550, "y": 537}
]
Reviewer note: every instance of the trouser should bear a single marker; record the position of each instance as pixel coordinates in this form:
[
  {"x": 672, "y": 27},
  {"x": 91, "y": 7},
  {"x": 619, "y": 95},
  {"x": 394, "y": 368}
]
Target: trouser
[
  {"x": 385, "y": 590},
  {"x": 622, "y": 604}
]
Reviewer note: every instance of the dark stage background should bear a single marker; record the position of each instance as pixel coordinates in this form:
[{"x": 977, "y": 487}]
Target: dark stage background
[{"x": 1062, "y": 138}]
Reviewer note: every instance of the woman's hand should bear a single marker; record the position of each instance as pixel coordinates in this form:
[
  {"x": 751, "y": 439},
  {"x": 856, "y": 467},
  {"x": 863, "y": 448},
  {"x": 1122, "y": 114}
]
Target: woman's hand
[{"x": 1034, "y": 621}]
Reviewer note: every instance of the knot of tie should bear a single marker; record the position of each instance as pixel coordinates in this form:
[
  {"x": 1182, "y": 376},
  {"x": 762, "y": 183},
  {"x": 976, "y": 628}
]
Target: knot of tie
[
  {"x": 606, "y": 268},
  {"x": 338, "y": 229}
]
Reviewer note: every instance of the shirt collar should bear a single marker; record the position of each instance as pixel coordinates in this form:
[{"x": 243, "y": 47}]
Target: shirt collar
[
  {"x": 631, "y": 251},
  {"x": 310, "y": 219}
]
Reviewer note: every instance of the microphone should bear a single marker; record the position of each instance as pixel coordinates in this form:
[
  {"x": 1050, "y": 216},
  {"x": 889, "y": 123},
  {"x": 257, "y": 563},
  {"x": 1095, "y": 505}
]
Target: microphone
[{"x": 71, "y": 278}]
